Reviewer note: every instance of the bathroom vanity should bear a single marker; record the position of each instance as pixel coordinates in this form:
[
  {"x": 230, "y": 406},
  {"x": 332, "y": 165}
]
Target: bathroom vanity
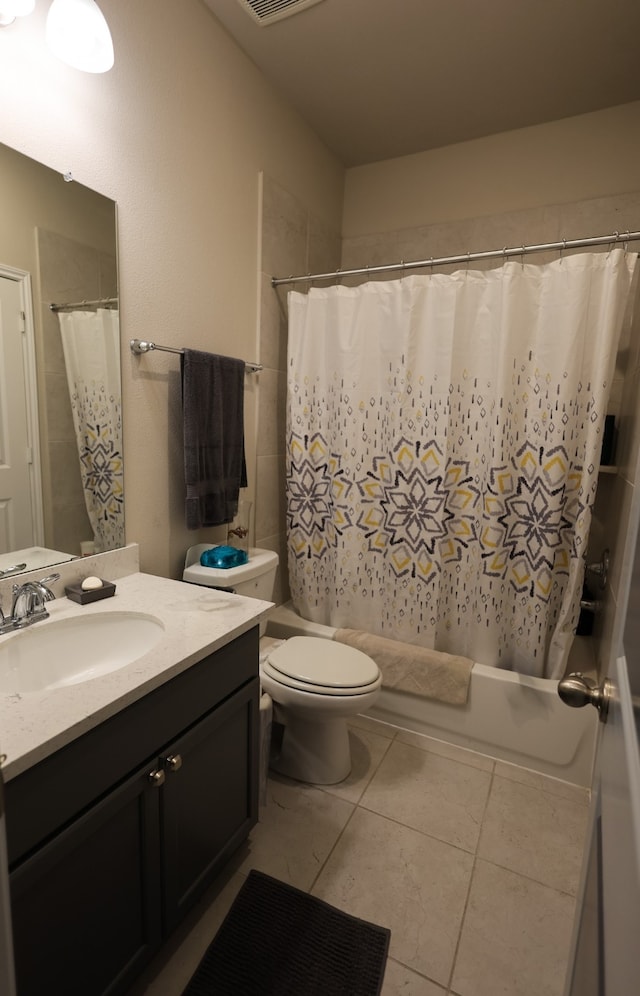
[{"x": 116, "y": 828}]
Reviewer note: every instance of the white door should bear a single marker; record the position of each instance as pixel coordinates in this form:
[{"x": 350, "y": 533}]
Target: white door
[
  {"x": 607, "y": 961},
  {"x": 16, "y": 453}
]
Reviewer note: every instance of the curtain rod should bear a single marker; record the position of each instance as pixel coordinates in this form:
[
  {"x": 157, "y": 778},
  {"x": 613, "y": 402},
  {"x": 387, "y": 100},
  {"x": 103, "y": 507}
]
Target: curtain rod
[
  {"x": 101, "y": 302},
  {"x": 467, "y": 257},
  {"x": 139, "y": 346}
]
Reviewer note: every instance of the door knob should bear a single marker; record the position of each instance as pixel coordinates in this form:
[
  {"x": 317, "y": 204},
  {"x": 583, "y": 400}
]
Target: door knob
[
  {"x": 576, "y": 691},
  {"x": 156, "y": 777}
]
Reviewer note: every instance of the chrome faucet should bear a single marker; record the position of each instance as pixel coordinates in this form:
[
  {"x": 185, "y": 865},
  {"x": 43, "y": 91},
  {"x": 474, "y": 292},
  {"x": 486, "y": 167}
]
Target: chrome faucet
[{"x": 29, "y": 603}]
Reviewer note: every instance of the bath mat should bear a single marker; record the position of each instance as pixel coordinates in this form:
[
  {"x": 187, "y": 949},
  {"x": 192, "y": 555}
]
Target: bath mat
[{"x": 279, "y": 941}]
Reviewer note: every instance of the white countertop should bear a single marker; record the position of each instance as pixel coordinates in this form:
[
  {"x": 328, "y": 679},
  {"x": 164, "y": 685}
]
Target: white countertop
[{"x": 196, "y": 620}]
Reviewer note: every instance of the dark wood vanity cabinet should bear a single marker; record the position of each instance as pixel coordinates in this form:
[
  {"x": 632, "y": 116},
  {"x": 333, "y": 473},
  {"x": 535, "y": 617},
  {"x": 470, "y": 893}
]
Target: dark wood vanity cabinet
[{"x": 111, "y": 840}]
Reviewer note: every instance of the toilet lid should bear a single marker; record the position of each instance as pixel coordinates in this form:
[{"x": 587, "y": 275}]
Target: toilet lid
[{"x": 315, "y": 661}]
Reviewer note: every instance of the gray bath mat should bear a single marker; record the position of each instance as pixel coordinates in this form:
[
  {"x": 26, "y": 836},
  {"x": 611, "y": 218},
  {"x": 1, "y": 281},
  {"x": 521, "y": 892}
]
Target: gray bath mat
[{"x": 279, "y": 941}]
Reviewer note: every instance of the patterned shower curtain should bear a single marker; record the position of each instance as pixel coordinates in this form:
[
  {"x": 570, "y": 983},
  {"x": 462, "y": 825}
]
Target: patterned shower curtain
[
  {"x": 91, "y": 344},
  {"x": 443, "y": 436}
]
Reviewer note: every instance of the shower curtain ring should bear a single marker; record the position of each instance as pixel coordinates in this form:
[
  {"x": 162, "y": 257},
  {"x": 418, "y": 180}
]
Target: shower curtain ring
[
  {"x": 616, "y": 236},
  {"x": 524, "y": 253},
  {"x": 562, "y": 249},
  {"x": 625, "y": 244}
]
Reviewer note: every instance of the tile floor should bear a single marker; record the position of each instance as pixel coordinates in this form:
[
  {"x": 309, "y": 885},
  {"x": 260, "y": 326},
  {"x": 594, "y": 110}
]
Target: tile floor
[{"x": 471, "y": 862}]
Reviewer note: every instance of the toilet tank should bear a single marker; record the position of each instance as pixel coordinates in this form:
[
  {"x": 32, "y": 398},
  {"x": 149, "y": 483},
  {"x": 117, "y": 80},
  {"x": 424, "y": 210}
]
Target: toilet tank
[{"x": 255, "y": 579}]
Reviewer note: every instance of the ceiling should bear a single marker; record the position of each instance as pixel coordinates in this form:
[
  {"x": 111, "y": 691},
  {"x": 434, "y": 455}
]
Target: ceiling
[{"x": 383, "y": 78}]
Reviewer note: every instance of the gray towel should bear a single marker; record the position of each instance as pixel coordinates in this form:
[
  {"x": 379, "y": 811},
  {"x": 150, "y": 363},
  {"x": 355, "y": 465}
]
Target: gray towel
[
  {"x": 213, "y": 419},
  {"x": 416, "y": 670}
]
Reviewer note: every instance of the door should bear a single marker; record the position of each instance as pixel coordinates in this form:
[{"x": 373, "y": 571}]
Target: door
[
  {"x": 86, "y": 905},
  {"x": 606, "y": 955},
  {"x": 17, "y": 507},
  {"x": 7, "y": 977},
  {"x": 209, "y": 798}
]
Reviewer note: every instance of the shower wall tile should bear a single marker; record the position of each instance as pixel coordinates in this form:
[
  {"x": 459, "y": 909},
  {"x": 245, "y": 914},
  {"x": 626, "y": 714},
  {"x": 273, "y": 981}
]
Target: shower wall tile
[
  {"x": 69, "y": 270},
  {"x": 272, "y": 412},
  {"x": 65, "y": 475},
  {"x": 284, "y": 231},
  {"x": 324, "y": 248},
  {"x": 273, "y": 325},
  {"x": 270, "y": 486},
  {"x": 533, "y": 226},
  {"x": 600, "y": 215},
  {"x": 58, "y": 409},
  {"x": 278, "y": 543},
  {"x": 51, "y": 342},
  {"x": 71, "y": 527},
  {"x": 108, "y": 275}
]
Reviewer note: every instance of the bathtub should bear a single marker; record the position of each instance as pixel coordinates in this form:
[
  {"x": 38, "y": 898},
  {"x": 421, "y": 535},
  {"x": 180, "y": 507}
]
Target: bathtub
[{"x": 508, "y": 716}]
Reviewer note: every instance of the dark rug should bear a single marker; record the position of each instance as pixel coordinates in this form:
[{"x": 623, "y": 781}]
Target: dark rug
[{"x": 279, "y": 941}]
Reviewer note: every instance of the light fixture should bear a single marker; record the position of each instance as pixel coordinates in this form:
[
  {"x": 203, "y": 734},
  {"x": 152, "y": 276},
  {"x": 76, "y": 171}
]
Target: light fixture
[
  {"x": 10, "y": 9},
  {"x": 78, "y": 33}
]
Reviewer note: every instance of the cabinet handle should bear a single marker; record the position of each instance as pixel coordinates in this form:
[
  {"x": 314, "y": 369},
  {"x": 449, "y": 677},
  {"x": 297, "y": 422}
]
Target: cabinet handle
[
  {"x": 156, "y": 777},
  {"x": 173, "y": 762}
]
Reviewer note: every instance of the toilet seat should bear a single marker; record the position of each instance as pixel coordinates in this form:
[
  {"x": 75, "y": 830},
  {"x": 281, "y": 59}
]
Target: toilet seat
[{"x": 321, "y": 666}]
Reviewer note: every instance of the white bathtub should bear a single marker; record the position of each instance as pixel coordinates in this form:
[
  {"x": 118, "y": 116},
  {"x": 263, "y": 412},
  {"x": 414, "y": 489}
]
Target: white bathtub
[{"x": 508, "y": 716}]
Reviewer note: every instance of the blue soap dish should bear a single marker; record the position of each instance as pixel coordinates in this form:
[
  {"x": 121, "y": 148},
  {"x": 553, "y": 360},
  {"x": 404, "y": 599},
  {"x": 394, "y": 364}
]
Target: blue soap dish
[{"x": 224, "y": 557}]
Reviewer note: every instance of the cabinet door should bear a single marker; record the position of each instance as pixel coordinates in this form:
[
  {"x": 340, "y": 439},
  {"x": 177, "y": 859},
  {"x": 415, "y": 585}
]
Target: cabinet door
[
  {"x": 209, "y": 799},
  {"x": 86, "y": 906}
]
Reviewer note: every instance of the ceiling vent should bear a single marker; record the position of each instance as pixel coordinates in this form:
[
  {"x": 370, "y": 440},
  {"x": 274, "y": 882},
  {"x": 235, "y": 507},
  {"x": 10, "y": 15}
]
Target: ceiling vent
[{"x": 268, "y": 11}]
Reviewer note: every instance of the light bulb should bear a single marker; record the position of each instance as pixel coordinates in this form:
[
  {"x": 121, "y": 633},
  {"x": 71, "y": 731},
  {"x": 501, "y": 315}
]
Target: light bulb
[
  {"x": 78, "y": 33},
  {"x": 10, "y": 9}
]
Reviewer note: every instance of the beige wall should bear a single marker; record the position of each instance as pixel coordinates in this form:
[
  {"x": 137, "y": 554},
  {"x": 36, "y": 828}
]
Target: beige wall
[
  {"x": 578, "y": 158},
  {"x": 177, "y": 133}
]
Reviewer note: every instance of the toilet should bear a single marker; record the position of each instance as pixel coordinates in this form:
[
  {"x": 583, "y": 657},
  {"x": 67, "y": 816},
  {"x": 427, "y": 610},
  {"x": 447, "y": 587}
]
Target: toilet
[{"x": 315, "y": 684}]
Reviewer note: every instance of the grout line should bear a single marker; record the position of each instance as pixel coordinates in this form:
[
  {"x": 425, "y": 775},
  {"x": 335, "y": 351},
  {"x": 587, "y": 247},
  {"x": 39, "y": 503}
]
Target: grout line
[
  {"x": 356, "y": 806},
  {"x": 473, "y": 869},
  {"x": 335, "y": 844}
]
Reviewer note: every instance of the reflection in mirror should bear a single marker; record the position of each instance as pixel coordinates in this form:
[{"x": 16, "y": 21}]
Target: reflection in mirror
[{"x": 61, "y": 472}]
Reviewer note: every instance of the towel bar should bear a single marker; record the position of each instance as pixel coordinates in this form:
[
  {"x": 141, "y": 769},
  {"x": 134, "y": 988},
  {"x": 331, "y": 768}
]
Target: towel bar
[{"x": 139, "y": 346}]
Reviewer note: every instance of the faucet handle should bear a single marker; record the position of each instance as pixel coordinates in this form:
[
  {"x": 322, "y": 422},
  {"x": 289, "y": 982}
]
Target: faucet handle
[
  {"x": 29, "y": 599},
  {"x": 601, "y": 569},
  {"x": 46, "y": 591}
]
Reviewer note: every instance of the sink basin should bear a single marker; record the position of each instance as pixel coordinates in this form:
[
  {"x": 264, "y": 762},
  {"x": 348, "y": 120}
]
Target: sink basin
[{"x": 62, "y": 652}]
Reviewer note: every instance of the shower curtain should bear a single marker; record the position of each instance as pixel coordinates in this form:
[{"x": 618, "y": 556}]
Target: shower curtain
[
  {"x": 443, "y": 437},
  {"x": 91, "y": 344}
]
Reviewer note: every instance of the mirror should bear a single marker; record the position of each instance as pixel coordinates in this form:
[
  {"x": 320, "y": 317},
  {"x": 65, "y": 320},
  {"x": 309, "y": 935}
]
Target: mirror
[{"x": 61, "y": 493}]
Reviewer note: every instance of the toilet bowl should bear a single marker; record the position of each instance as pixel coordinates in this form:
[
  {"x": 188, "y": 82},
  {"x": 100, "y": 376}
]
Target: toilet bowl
[{"x": 315, "y": 684}]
